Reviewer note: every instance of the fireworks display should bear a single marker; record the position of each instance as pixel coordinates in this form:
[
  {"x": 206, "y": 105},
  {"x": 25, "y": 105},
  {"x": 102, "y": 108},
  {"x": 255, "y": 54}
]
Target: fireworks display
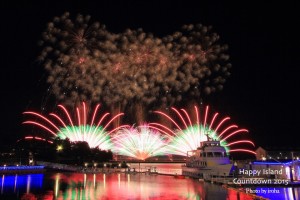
[
  {"x": 94, "y": 132},
  {"x": 70, "y": 57},
  {"x": 144, "y": 141},
  {"x": 140, "y": 143},
  {"x": 204, "y": 63},
  {"x": 188, "y": 135},
  {"x": 132, "y": 69}
]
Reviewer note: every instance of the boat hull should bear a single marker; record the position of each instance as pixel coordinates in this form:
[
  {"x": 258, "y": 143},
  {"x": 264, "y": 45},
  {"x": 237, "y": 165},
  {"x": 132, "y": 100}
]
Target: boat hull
[{"x": 207, "y": 173}]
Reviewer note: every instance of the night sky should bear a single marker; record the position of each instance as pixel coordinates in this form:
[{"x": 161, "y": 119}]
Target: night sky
[{"x": 262, "y": 93}]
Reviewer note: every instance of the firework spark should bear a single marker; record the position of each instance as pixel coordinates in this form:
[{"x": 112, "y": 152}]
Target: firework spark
[
  {"x": 94, "y": 132},
  {"x": 140, "y": 143},
  {"x": 70, "y": 52},
  {"x": 133, "y": 69},
  {"x": 204, "y": 63},
  {"x": 188, "y": 135}
]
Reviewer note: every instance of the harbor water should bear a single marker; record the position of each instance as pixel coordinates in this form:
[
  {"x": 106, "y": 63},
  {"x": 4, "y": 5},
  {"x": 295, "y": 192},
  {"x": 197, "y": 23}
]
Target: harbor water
[{"x": 129, "y": 185}]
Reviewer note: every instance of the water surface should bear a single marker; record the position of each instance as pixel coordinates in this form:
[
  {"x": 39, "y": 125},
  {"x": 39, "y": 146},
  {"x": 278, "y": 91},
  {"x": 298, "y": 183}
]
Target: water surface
[
  {"x": 79, "y": 186},
  {"x": 106, "y": 186}
]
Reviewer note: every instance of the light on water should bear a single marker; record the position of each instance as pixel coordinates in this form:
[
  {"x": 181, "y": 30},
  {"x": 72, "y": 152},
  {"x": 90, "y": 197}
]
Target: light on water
[
  {"x": 105, "y": 186},
  {"x": 81, "y": 186}
]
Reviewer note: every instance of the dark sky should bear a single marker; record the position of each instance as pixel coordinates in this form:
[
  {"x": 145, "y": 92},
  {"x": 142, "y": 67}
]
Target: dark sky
[{"x": 263, "y": 38}]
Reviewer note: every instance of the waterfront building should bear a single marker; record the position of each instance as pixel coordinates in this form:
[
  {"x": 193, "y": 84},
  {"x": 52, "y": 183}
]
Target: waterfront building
[
  {"x": 280, "y": 170},
  {"x": 275, "y": 153}
]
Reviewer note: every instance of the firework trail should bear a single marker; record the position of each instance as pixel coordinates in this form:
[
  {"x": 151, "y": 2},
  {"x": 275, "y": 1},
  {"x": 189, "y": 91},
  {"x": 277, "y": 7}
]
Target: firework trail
[
  {"x": 93, "y": 131},
  {"x": 140, "y": 143},
  {"x": 188, "y": 135}
]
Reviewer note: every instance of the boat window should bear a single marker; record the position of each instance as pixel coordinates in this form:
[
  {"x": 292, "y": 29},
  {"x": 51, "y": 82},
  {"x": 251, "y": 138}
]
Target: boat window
[
  {"x": 218, "y": 154},
  {"x": 209, "y": 154}
]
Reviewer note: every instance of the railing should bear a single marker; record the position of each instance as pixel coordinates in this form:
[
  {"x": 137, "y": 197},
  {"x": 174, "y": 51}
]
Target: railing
[{"x": 9, "y": 168}]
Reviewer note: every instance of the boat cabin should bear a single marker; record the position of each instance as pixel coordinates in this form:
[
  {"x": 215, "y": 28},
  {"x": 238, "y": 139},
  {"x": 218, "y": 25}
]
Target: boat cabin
[{"x": 208, "y": 154}]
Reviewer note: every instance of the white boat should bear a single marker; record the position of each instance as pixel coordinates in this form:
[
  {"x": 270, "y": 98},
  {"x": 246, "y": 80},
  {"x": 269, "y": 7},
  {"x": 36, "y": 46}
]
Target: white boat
[{"x": 208, "y": 162}]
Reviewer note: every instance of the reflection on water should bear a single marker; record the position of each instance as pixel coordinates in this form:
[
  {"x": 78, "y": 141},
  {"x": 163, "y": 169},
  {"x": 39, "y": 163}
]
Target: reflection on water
[
  {"x": 118, "y": 186},
  {"x": 105, "y": 186},
  {"x": 20, "y": 184},
  {"x": 131, "y": 186}
]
